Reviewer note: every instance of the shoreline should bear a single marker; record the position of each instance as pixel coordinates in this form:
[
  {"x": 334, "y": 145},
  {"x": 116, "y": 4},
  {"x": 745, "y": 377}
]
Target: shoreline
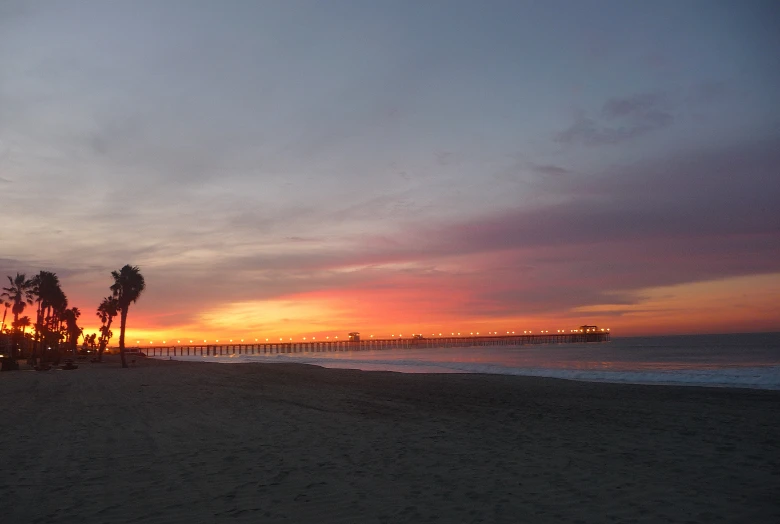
[
  {"x": 554, "y": 373},
  {"x": 172, "y": 441}
]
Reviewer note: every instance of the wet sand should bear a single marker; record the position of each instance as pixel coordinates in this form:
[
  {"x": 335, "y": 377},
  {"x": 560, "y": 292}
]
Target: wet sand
[{"x": 190, "y": 442}]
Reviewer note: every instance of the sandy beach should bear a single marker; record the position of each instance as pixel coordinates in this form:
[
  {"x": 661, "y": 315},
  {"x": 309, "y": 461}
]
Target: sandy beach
[{"x": 191, "y": 442}]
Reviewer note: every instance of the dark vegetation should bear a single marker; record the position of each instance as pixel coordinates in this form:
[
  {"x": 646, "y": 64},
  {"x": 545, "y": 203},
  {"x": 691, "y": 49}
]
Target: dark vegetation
[{"x": 55, "y": 331}]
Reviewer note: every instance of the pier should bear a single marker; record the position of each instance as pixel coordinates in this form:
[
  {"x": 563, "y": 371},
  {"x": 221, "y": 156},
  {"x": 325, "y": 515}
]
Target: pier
[{"x": 417, "y": 342}]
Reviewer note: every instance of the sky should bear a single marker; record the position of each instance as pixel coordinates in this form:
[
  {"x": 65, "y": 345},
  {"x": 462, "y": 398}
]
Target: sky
[{"x": 303, "y": 168}]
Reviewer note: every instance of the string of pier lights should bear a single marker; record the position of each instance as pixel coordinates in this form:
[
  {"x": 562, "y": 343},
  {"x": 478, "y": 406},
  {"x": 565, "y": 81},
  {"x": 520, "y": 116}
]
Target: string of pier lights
[{"x": 472, "y": 333}]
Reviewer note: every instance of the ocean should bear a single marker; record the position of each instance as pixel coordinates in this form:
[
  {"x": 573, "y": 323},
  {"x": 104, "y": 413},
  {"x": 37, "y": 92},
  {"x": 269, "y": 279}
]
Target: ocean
[{"x": 735, "y": 360}]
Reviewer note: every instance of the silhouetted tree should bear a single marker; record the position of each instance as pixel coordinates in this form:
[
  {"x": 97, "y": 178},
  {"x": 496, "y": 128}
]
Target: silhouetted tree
[
  {"x": 6, "y": 305},
  {"x": 128, "y": 286},
  {"x": 73, "y": 331},
  {"x": 106, "y": 311},
  {"x": 23, "y": 322},
  {"x": 50, "y": 298},
  {"x": 20, "y": 295}
]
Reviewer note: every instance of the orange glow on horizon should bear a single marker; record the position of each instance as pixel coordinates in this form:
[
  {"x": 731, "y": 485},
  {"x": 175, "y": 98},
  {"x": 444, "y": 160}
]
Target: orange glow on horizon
[{"x": 731, "y": 305}]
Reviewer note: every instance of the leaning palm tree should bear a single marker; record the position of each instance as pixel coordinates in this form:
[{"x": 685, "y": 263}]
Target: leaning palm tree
[
  {"x": 20, "y": 295},
  {"x": 106, "y": 311},
  {"x": 128, "y": 286}
]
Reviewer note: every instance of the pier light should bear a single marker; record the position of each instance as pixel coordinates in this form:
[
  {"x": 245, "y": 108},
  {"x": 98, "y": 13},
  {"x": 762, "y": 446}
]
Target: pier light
[
  {"x": 280, "y": 338},
  {"x": 327, "y": 338},
  {"x": 513, "y": 332},
  {"x": 164, "y": 342},
  {"x": 217, "y": 340},
  {"x": 204, "y": 340},
  {"x": 337, "y": 336},
  {"x": 439, "y": 334},
  {"x": 178, "y": 341},
  {"x": 607, "y": 329},
  {"x": 392, "y": 335},
  {"x": 266, "y": 340},
  {"x": 401, "y": 335},
  {"x": 190, "y": 341},
  {"x": 291, "y": 338},
  {"x": 315, "y": 338},
  {"x": 256, "y": 340},
  {"x": 231, "y": 340},
  {"x": 458, "y": 334},
  {"x": 372, "y": 336},
  {"x": 151, "y": 341},
  {"x": 477, "y": 332},
  {"x": 304, "y": 338},
  {"x": 137, "y": 341},
  {"x": 242, "y": 340}
]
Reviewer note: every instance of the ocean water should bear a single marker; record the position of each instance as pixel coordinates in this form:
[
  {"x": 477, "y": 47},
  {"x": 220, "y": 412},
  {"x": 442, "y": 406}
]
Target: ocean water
[{"x": 744, "y": 360}]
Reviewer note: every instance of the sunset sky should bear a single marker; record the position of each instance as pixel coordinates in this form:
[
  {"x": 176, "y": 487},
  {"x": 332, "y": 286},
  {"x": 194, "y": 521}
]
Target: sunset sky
[{"x": 303, "y": 168}]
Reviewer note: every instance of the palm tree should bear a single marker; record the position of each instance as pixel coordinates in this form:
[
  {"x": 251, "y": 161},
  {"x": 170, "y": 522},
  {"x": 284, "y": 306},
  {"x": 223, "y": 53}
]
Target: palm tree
[
  {"x": 48, "y": 293},
  {"x": 128, "y": 286},
  {"x": 72, "y": 329},
  {"x": 20, "y": 295},
  {"x": 106, "y": 311},
  {"x": 23, "y": 322},
  {"x": 6, "y": 305}
]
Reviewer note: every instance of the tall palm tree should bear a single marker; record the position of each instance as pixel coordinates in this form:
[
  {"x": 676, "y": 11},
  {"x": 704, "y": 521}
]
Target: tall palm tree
[
  {"x": 20, "y": 295},
  {"x": 128, "y": 285},
  {"x": 48, "y": 293},
  {"x": 106, "y": 311}
]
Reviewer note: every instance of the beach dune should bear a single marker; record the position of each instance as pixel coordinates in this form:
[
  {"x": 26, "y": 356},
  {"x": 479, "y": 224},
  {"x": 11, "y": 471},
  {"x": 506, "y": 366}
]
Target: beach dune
[{"x": 193, "y": 442}]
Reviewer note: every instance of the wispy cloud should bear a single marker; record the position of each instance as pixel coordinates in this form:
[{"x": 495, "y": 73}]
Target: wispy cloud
[{"x": 623, "y": 119}]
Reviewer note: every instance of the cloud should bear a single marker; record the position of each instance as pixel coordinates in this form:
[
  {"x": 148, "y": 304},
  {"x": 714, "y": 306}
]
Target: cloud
[
  {"x": 551, "y": 170},
  {"x": 637, "y": 105},
  {"x": 625, "y": 119}
]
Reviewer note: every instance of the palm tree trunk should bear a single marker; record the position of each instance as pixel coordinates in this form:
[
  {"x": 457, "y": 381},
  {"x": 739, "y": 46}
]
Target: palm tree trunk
[
  {"x": 15, "y": 338},
  {"x": 123, "y": 323},
  {"x": 2, "y": 325},
  {"x": 38, "y": 334}
]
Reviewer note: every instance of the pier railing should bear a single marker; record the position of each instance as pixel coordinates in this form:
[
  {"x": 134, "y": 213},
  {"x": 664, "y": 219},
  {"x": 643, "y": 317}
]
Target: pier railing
[{"x": 317, "y": 346}]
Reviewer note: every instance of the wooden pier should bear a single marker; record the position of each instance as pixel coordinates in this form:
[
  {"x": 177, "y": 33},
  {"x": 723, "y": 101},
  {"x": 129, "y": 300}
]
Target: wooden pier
[{"x": 321, "y": 346}]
